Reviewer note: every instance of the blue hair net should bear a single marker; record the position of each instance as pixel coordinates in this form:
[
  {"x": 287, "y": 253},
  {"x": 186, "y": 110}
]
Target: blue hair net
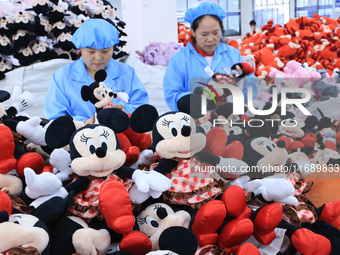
[
  {"x": 204, "y": 8},
  {"x": 95, "y": 33}
]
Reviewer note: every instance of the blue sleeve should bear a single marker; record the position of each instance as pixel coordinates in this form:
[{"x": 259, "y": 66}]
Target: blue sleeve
[
  {"x": 251, "y": 82},
  {"x": 173, "y": 85},
  {"x": 56, "y": 102},
  {"x": 137, "y": 96}
]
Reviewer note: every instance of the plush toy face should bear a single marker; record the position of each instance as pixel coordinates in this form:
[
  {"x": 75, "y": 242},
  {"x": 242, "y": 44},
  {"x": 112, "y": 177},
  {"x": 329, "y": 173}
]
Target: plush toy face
[
  {"x": 64, "y": 42},
  {"x": 40, "y": 2},
  {"x": 94, "y": 151},
  {"x": 64, "y": 37},
  {"x": 59, "y": 25},
  {"x": 21, "y": 230},
  {"x": 179, "y": 135},
  {"x": 158, "y": 217},
  {"x": 5, "y": 65},
  {"x": 266, "y": 153},
  {"x": 26, "y": 52},
  {"x": 292, "y": 128},
  {"x": 46, "y": 24},
  {"x": 4, "y": 41},
  {"x": 326, "y": 156},
  {"x": 4, "y": 22},
  {"x": 22, "y": 18},
  {"x": 103, "y": 94},
  {"x": 298, "y": 156},
  {"x": 19, "y": 35},
  {"x": 40, "y": 47}
]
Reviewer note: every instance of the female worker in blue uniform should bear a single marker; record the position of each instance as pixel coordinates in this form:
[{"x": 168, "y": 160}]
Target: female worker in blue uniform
[
  {"x": 204, "y": 51},
  {"x": 95, "y": 38}
]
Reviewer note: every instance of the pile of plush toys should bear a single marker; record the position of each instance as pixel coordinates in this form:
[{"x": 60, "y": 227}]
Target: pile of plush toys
[
  {"x": 43, "y": 31},
  {"x": 158, "y": 53},
  {"x": 313, "y": 42},
  {"x": 108, "y": 188},
  {"x": 184, "y": 33}
]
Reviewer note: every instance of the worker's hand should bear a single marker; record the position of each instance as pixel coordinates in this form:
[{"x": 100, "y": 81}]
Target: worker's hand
[
  {"x": 118, "y": 106},
  {"x": 89, "y": 121}
]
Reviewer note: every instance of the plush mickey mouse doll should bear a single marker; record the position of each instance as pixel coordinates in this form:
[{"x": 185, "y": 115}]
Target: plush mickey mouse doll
[{"x": 100, "y": 95}]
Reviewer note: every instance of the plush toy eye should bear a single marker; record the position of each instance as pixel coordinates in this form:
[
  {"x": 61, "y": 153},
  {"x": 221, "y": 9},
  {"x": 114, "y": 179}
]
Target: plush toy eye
[
  {"x": 103, "y": 142},
  {"x": 17, "y": 220},
  {"x": 152, "y": 222},
  {"x": 173, "y": 129},
  {"x": 102, "y": 94},
  {"x": 185, "y": 128},
  {"x": 91, "y": 146}
]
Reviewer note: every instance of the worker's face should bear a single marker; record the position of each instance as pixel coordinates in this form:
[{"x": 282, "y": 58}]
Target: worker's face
[
  {"x": 252, "y": 27},
  {"x": 208, "y": 34},
  {"x": 95, "y": 59}
]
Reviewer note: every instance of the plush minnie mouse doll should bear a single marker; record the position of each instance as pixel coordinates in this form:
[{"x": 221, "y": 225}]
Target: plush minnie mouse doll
[
  {"x": 95, "y": 154},
  {"x": 195, "y": 189}
]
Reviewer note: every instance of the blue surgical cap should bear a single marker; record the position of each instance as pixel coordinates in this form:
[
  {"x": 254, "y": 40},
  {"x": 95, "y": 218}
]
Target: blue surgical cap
[
  {"x": 204, "y": 8},
  {"x": 95, "y": 33}
]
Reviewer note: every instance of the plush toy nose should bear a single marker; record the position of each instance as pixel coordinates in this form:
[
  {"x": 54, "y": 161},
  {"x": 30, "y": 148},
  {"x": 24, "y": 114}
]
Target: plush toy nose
[
  {"x": 281, "y": 144},
  {"x": 101, "y": 152},
  {"x": 111, "y": 94},
  {"x": 162, "y": 213},
  {"x": 186, "y": 130}
]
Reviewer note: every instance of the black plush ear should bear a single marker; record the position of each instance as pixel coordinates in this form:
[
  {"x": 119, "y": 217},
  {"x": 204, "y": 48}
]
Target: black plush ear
[
  {"x": 4, "y": 95},
  {"x": 114, "y": 118},
  {"x": 59, "y": 132},
  {"x": 4, "y": 216},
  {"x": 100, "y": 75},
  {"x": 86, "y": 93},
  {"x": 190, "y": 104},
  {"x": 179, "y": 240},
  {"x": 143, "y": 118}
]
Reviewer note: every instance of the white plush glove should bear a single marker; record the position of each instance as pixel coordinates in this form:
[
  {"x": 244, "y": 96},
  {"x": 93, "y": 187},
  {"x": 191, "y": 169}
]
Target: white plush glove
[
  {"x": 32, "y": 130},
  {"x": 273, "y": 188},
  {"x": 61, "y": 161},
  {"x": 137, "y": 197},
  {"x": 22, "y": 101},
  {"x": 151, "y": 180},
  {"x": 122, "y": 96}
]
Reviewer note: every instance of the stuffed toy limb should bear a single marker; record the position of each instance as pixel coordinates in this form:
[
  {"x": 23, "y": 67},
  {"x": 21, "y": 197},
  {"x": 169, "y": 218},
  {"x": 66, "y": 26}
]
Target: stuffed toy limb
[
  {"x": 14, "y": 156},
  {"x": 332, "y": 233},
  {"x": 245, "y": 222},
  {"x": 20, "y": 101},
  {"x": 306, "y": 241},
  {"x": 32, "y": 130},
  {"x": 11, "y": 184},
  {"x": 49, "y": 198},
  {"x": 273, "y": 188},
  {"x": 72, "y": 234},
  {"x": 329, "y": 212},
  {"x": 61, "y": 161}
]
